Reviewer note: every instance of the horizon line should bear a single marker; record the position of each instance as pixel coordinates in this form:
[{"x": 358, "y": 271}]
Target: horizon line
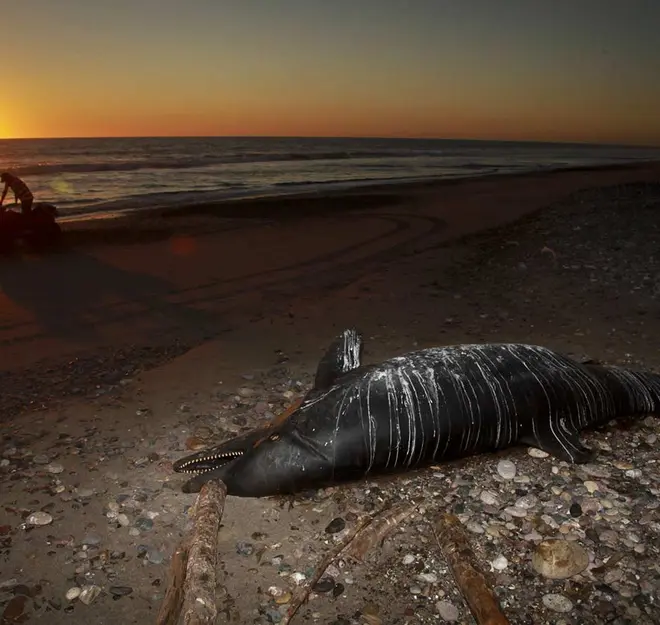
[{"x": 338, "y": 137}]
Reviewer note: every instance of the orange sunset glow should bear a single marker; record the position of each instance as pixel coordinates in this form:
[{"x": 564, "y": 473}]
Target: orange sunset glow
[{"x": 420, "y": 69}]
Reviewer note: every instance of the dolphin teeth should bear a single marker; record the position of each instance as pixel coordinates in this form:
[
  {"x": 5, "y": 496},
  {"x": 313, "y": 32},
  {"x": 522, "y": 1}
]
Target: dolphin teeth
[{"x": 189, "y": 467}]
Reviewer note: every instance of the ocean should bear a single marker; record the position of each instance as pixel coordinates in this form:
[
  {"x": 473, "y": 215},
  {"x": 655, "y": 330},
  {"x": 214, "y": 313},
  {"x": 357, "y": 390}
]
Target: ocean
[{"x": 117, "y": 174}]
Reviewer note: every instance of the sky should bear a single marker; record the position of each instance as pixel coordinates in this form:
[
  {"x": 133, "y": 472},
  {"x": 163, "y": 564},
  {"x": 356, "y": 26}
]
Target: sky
[{"x": 555, "y": 70}]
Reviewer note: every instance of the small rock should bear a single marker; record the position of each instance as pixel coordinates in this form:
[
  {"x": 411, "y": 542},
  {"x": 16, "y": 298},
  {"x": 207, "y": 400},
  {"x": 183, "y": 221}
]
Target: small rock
[
  {"x": 155, "y": 556},
  {"x": 506, "y": 469},
  {"x": 575, "y": 510},
  {"x": 409, "y": 558},
  {"x": 144, "y": 524},
  {"x": 120, "y": 591},
  {"x": 39, "y": 518},
  {"x": 447, "y": 611},
  {"x": 489, "y": 497},
  {"x": 499, "y": 563},
  {"x": 557, "y": 603},
  {"x": 428, "y": 578},
  {"x": 520, "y": 513},
  {"x": 73, "y": 593},
  {"x": 537, "y": 453},
  {"x": 55, "y": 467},
  {"x": 325, "y": 584},
  {"x": 591, "y": 486}
]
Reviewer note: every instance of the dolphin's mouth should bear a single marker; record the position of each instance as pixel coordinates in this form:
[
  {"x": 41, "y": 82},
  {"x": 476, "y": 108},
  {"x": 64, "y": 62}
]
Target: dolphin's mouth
[
  {"x": 206, "y": 463},
  {"x": 217, "y": 462}
]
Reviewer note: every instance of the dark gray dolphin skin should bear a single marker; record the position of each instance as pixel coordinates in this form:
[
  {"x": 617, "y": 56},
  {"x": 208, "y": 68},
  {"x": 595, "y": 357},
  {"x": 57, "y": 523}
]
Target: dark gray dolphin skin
[{"x": 424, "y": 407}]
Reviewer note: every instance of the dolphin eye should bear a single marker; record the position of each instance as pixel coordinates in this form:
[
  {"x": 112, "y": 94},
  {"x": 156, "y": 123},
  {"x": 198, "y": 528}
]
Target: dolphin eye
[{"x": 274, "y": 437}]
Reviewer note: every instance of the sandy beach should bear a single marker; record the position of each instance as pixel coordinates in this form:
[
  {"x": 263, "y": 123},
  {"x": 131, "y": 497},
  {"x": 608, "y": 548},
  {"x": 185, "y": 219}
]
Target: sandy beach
[{"x": 157, "y": 329}]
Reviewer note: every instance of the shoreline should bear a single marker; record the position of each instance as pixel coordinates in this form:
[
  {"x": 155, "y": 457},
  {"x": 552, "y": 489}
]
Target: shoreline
[
  {"x": 207, "y": 219},
  {"x": 337, "y": 189}
]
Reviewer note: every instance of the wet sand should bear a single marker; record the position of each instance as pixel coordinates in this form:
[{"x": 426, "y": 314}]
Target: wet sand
[{"x": 156, "y": 328}]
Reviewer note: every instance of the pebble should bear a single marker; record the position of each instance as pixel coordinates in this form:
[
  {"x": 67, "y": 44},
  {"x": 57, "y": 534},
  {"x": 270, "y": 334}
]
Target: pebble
[
  {"x": 428, "y": 578},
  {"x": 591, "y": 486},
  {"x": 499, "y": 563},
  {"x": 506, "y": 469},
  {"x": 409, "y": 558},
  {"x": 155, "y": 556},
  {"x": 537, "y": 453},
  {"x": 39, "y": 518},
  {"x": 516, "y": 512},
  {"x": 447, "y": 611},
  {"x": 144, "y": 524},
  {"x": 89, "y": 593},
  {"x": 73, "y": 593},
  {"x": 325, "y": 584},
  {"x": 575, "y": 510},
  {"x": 526, "y": 502},
  {"x": 123, "y": 520},
  {"x": 489, "y": 497},
  {"x": 120, "y": 591},
  {"x": 55, "y": 467},
  {"x": 596, "y": 471},
  {"x": 557, "y": 603},
  {"x": 41, "y": 459},
  {"x": 416, "y": 589}
]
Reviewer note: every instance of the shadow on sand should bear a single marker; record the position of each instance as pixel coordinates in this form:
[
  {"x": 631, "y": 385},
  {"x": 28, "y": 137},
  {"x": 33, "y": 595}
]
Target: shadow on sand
[{"x": 74, "y": 294}]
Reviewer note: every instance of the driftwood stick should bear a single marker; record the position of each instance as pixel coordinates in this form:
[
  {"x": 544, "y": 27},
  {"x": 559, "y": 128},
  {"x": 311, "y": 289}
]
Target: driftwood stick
[
  {"x": 170, "y": 608},
  {"x": 383, "y": 525},
  {"x": 471, "y": 582},
  {"x": 190, "y": 597},
  {"x": 300, "y": 595}
]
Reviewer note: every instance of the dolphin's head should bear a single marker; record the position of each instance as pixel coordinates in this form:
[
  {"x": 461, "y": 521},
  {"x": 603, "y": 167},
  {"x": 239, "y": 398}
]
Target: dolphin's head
[
  {"x": 271, "y": 461},
  {"x": 305, "y": 449}
]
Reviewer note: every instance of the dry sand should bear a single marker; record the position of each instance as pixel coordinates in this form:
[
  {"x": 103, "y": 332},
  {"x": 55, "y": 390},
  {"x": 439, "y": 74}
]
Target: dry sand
[{"x": 154, "y": 328}]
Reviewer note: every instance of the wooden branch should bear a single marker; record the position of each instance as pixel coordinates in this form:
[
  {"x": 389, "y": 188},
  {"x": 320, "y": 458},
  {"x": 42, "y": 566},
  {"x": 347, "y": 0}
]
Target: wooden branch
[
  {"x": 190, "y": 596},
  {"x": 170, "y": 608},
  {"x": 471, "y": 582},
  {"x": 379, "y": 529}
]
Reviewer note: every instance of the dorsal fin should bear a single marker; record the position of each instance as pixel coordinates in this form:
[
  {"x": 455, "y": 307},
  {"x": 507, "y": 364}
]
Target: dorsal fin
[{"x": 343, "y": 355}]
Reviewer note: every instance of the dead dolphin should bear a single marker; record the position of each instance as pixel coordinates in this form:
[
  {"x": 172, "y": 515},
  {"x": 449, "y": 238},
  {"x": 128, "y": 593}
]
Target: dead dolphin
[{"x": 424, "y": 407}]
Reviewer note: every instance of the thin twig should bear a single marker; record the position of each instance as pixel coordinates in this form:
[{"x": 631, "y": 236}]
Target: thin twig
[{"x": 302, "y": 593}]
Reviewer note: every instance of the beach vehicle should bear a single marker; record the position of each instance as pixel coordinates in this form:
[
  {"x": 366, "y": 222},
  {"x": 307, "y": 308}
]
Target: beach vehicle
[{"x": 39, "y": 230}]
